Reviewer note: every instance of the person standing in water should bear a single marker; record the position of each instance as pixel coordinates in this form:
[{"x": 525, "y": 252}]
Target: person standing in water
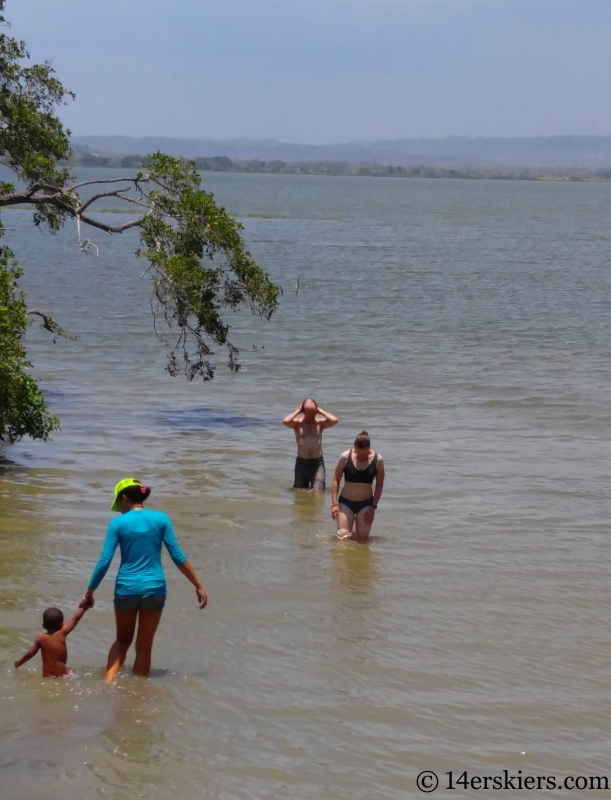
[
  {"x": 140, "y": 588},
  {"x": 310, "y": 464},
  {"x": 357, "y": 503}
]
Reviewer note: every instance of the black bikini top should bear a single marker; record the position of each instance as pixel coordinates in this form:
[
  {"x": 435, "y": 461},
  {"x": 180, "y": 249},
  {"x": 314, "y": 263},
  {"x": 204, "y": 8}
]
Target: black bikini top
[{"x": 354, "y": 475}]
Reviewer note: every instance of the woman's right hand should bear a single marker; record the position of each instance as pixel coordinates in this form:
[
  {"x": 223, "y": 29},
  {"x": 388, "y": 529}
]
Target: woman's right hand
[
  {"x": 335, "y": 511},
  {"x": 87, "y": 600},
  {"x": 202, "y": 597}
]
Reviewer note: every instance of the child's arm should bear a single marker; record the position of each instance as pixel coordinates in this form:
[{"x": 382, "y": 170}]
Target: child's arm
[
  {"x": 70, "y": 626},
  {"x": 30, "y": 654}
]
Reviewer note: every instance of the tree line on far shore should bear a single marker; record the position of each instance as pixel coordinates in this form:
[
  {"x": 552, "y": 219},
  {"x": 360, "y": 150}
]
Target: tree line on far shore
[{"x": 370, "y": 169}]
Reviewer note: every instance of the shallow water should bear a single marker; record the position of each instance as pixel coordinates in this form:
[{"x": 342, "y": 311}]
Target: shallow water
[{"x": 466, "y": 325}]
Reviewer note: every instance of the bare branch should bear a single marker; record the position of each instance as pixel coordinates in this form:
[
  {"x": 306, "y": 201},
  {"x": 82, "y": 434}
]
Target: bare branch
[
  {"x": 116, "y": 193},
  {"x": 46, "y": 323},
  {"x": 109, "y": 180},
  {"x": 37, "y": 199},
  {"x": 15, "y": 199},
  {"x": 131, "y": 200},
  {"x": 84, "y": 248},
  {"x": 49, "y": 324},
  {"x": 103, "y": 226}
]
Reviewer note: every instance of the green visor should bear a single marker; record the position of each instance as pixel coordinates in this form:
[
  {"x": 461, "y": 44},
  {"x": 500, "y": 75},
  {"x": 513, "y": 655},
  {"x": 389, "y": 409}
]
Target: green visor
[{"x": 120, "y": 487}]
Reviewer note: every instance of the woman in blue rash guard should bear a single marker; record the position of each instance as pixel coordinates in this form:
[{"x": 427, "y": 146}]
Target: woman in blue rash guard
[{"x": 140, "y": 588}]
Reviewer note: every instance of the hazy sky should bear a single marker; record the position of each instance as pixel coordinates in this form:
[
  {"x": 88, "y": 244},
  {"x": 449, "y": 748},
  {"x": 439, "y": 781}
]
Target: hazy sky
[{"x": 321, "y": 71}]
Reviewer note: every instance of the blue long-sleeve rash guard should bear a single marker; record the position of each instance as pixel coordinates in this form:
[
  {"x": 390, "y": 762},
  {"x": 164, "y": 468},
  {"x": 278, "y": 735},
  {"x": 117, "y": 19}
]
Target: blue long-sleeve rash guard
[{"x": 139, "y": 535}]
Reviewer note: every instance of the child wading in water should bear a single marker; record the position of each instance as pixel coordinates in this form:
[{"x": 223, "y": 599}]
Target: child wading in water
[{"x": 52, "y": 644}]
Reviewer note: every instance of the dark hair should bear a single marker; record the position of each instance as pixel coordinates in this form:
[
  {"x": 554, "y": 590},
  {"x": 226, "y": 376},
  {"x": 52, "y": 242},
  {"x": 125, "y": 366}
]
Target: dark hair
[
  {"x": 136, "y": 494},
  {"x": 362, "y": 440},
  {"x": 52, "y": 620}
]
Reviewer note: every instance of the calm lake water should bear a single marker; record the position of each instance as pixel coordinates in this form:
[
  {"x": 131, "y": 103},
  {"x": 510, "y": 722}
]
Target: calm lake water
[{"x": 466, "y": 326}]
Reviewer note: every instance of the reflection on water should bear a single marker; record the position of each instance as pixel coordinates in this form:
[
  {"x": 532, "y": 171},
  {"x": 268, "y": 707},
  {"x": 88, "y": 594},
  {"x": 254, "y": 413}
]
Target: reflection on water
[
  {"x": 136, "y": 743},
  {"x": 467, "y": 326},
  {"x": 308, "y": 506},
  {"x": 201, "y": 419},
  {"x": 355, "y": 566}
]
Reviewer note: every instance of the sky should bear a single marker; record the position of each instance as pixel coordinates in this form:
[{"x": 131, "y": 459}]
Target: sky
[{"x": 323, "y": 71}]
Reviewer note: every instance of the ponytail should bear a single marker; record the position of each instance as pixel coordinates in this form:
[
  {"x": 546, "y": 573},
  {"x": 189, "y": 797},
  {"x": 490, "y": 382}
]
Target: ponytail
[
  {"x": 136, "y": 494},
  {"x": 362, "y": 440}
]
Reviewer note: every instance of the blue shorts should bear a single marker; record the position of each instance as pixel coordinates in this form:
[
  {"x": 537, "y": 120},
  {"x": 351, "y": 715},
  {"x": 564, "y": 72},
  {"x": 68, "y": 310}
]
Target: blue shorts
[{"x": 146, "y": 602}]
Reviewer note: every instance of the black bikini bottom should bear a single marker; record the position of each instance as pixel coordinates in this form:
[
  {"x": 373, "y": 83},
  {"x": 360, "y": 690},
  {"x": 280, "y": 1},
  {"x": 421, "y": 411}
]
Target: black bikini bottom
[{"x": 355, "y": 505}]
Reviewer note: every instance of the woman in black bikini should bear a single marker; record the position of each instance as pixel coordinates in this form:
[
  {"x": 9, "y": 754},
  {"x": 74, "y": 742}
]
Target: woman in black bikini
[{"x": 357, "y": 503}]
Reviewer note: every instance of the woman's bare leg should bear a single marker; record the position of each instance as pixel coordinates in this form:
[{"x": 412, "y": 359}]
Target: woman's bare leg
[
  {"x": 147, "y": 627},
  {"x": 345, "y": 522},
  {"x": 126, "y": 625},
  {"x": 362, "y": 527}
]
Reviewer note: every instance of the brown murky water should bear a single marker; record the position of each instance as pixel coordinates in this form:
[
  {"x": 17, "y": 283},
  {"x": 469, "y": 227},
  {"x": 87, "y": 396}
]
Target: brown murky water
[{"x": 466, "y": 326}]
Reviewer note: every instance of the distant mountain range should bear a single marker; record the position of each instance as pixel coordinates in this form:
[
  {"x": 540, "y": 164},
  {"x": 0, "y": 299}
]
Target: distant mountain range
[{"x": 592, "y": 152}]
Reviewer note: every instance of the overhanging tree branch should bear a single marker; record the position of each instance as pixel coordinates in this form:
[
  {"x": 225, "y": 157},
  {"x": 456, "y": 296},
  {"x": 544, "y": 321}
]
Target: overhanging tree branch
[
  {"x": 197, "y": 261},
  {"x": 196, "y": 255}
]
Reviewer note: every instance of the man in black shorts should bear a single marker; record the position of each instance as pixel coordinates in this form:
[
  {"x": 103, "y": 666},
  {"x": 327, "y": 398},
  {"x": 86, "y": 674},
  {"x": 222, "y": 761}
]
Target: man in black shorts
[{"x": 310, "y": 465}]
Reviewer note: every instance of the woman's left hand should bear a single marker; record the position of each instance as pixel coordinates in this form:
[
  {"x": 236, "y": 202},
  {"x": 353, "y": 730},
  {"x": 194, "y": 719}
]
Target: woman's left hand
[
  {"x": 369, "y": 514},
  {"x": 202, "y": 597},
  {"x": 87, "y": 600}
]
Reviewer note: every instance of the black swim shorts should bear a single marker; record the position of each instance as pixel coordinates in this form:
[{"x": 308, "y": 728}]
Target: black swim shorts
[
  {"x": 310, "y": 474},
  {"x": 145, "y": 602}
]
